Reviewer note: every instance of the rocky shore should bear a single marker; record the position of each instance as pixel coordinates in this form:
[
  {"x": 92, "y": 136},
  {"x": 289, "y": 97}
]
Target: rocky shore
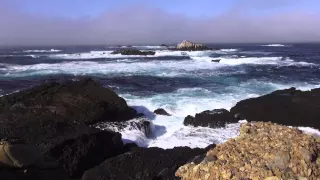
[
  {"x": 60, "y": 120},
  {"x": 262, "y": 151}
]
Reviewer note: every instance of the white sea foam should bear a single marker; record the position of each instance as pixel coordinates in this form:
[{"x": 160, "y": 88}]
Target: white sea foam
[
  {"x": 228, "y": 50},
  {"x": 189, "y": 101},
  {"x": 150, "y": 47},
  {"x": 42, "y": 51},
  {"x": 152, "y": 67},
  {"x": 275, "y": 45},
  {"x": 107, "y": 54},
  {"x": 309, "y": 130}
]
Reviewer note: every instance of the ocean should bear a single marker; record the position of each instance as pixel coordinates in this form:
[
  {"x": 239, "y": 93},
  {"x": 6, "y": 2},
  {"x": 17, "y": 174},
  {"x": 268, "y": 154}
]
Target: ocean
[{"x": 182, "y": 84}]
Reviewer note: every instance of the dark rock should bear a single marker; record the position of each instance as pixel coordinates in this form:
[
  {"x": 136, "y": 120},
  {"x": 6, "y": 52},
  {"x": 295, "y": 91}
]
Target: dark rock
[
  {"x": 130, "y": 146},
  {"x": 164, "y": 45},
  {"x": 21, "y": 161},
  {"x": 161, "y": 111},
  {"x": 288, "y": 107},
  {"x": 184, "y": 54},
  {"x": 51, "y": 113},
  {"x": 216, "y": 60},
  {"x": 86, "y": 151},
  {"x": 215, "y": 118},
  {"x": 140, "y": 124},
  {"x": 237, "y": 116},
  {"x": 33, "y": 173},
  {"x": 143, "y": 164},
  {"x": 133, "y": 52},
  {"x": 56, "y": 117}
]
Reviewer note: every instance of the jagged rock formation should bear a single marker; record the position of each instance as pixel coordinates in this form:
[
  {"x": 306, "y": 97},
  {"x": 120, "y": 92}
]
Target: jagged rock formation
[
  {"x": 133, "y": 52},
  {"x": 190, "y": 46},
  {"x": 262, "y": 151},
  {"x": 288, "y": 107},
  {"x": 214, "y": 119}
]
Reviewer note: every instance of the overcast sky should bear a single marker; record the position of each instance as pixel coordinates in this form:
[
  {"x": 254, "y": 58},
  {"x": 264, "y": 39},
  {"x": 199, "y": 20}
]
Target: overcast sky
[{"x": 61, "y": 22}]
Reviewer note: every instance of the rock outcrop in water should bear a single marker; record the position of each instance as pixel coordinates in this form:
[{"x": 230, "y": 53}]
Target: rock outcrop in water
[
  {"x": 161, "y": 111},
  {"x": 214, "y": 119},
  {"x": 144, "y": 164},
  {"x": 288, "y": 107},
  {"x": 262, "y": 151},
  {"x": 133, "y": 52},
  {"x": 56, "y": 117},
  {"x": 190, "y": 46}
]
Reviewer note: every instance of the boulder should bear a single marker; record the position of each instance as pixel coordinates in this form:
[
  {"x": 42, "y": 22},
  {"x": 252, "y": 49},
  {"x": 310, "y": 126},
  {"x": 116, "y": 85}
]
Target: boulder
[
  {"x": 214, "y": 119},
  {"x": 161, "y": 111},
  {"x": 143, "y": 164},
  {"x": 51, "y": 113},
  {"x": 133, "y": 52},
  {"x": 262, "y": 151},
  {"x": 216, "y": 60},
  {"x": 190, "y": 46},
  {"x": 57, "y": 118},
  {"x": 164, "y": 45},
  {"x": 288, "y": 107},
  {"x": 86, "y": 151}
]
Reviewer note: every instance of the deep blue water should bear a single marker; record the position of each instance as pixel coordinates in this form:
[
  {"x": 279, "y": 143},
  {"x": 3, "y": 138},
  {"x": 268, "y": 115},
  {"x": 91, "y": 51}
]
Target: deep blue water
[
  {"x": 183, "y": 85},
  {"x": 244, "y": 70}
]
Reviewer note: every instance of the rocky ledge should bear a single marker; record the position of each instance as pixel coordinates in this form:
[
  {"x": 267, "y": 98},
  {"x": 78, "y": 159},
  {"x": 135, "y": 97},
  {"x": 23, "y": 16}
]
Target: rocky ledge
[
  {"x": 287, "y": 107},
  {"x": 56, "y": 118},
  {"x": 213, "y": 119},
  {"x": 262, "y": 151},
  {"x": 133, "y": 52}
]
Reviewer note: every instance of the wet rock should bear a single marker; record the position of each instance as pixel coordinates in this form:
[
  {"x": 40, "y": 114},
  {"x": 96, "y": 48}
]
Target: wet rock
[
  {"x": 164, "y": 45},
  {"x": 288, "y": 107},
  {"x": 133, "y": 52},
  {"x": 161, "y": 111},
  {"x": 143, "y": 164},
  {"x": 140, "y": 124},
  {"x": 262, "y": 151},
  {"x": 86, "y": 151},
  {"x": 216, "y": 60},
  {"x": 56, "y": 117},
  {"x": 50, "y": 113},
  {"x": 215, "y": 118}
]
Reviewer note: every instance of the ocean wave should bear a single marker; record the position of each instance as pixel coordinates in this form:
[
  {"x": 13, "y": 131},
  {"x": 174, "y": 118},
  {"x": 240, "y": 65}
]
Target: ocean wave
[
  {"x": 228, "y": 50},
  {"x": 151, "y": 67},
  {"x": 41, "y": 51},
  {"x": 189, "y": 101},
  {"x": 27, "y": 55},
  {"x": 275, "y": 45},
  {"x": 107, "y": 54},
  {"x": 150, "y": 47}
]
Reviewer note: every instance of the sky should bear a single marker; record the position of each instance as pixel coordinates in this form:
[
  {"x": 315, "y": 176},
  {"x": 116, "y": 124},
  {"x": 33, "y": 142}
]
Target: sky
[{"x": 73, "y": 22}]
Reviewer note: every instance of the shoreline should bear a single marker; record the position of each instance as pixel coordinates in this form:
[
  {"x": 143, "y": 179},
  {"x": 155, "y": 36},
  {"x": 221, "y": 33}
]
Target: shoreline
[{"x": 61, "y": 115}]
